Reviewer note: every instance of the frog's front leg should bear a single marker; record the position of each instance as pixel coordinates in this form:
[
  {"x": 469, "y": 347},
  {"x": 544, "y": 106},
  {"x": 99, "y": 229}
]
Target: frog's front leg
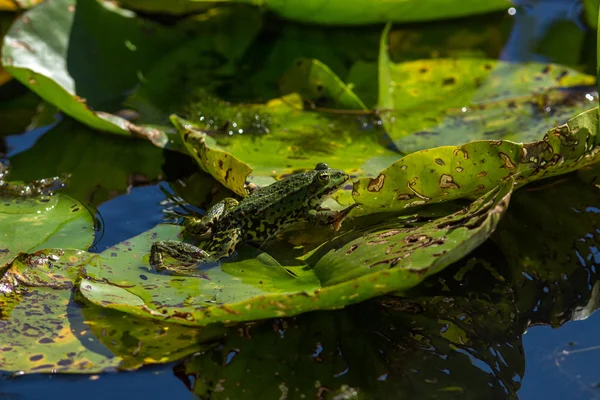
[
  {"x": 330, "y": 217},
  {"x": 187, "y": 253},
  {"x": 223, "y": 243},
  {"x": 201, "y": 226}
]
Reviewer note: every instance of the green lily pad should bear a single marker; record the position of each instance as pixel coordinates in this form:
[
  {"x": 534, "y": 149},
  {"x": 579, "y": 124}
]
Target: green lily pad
[
  {"x": 452, "y": 172},
  {"x": 30, "y": 224},
  {"x": 257, "y": 286},
  {"x": 59, "y": 50},
  {"x": 296, "y": 139},
  {"x": 341, "y": 12},
  {"x": 43, "y": 328},
  {"x": 430, "y": 103},
  {"x": 315, "y": 82}
]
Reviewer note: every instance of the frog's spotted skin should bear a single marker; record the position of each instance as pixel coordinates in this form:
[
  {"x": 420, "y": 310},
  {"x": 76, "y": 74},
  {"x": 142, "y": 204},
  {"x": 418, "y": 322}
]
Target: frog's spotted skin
[{"x": 258, "y": 217}]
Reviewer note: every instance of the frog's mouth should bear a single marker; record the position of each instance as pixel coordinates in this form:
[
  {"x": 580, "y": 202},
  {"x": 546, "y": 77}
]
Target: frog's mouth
[{"x": 337, "y": 187}]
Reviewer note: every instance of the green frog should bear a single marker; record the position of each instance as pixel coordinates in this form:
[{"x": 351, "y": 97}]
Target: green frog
[{"x": 258, "y": 217}]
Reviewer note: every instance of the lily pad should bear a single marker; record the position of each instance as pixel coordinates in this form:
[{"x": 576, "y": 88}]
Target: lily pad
[
  {"x": 39, "y": 51},
  {"x": 341, "y": 12},
  {"x": 430, "y": 103},
  {"x": 30, "y": 224},
  {"x": 452, "y": 172},
  {"x": 257, "y": 287},
  {"x": 41, "y": 330},
  {"x": 296, "y": 139},
  {"x": 44, "y": 328}
]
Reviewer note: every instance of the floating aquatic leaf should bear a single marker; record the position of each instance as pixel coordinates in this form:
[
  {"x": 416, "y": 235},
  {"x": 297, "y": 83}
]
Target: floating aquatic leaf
[
  {"x": 408, "y": 251},
  {"x": 54, "y": 49},
  {"x": 430, "y": 103},
  {"x": 296, "y": 139},
  {"x": 342, "y": 12},
  {"x": 44, "y": 329},
  {"x": 41, "y": 329},
  {"x": 452, "y": 172},
  {"x": 30, "y": 224},
  {"x": 257, "y": 286}
]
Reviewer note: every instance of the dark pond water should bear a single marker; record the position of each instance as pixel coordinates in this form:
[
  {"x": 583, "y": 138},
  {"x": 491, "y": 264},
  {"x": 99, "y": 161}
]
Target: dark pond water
[{"x": 554, "y": 362}]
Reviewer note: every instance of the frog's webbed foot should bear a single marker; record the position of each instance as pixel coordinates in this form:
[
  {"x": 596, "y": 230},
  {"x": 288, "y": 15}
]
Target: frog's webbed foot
[
  {"x": 188, "y": 254},
  {"x": 330, "y": 217}
]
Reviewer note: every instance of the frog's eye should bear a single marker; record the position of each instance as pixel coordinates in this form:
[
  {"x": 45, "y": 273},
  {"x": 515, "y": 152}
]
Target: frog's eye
[
  {"x": 321, "y": 166},
  {"x": 323, "y": 177}
]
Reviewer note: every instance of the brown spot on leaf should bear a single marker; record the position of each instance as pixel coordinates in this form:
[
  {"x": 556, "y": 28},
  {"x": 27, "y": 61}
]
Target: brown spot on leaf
[
  {"x": 376, "y": 184},
  {"x": 351, "y": 249},
  {"x": 482, "y": 174},
  {"x": 507, "y": 161},
  {"x": 449, "y": 81},
  {"x": 562, "y": 74},
  {"x": 439, "y": 161},
  {"x": 447, "y": 182},
  {"x": 465, "y": 154}
]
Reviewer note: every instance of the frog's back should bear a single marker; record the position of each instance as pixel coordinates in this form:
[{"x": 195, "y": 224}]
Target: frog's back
[
  {"x": 269, "y": 209},
  {"x": 280, "y": 197}
]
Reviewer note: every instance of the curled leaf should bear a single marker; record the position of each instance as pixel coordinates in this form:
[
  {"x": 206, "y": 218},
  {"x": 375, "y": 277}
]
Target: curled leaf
[
  {"x": 453, "y": 172},
  {"x": 223, "y": 166}
]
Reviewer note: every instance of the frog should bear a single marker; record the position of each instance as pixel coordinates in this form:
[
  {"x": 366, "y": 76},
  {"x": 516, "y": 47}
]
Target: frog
[{"x": 263, "y": 213}]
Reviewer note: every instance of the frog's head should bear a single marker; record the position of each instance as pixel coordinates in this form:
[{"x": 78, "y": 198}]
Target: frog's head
[{"x": 325, "y": 181}]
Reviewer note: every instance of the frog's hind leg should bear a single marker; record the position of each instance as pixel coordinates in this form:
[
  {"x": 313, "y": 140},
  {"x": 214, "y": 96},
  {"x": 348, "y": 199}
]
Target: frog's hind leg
[
  {"x": 224, "y": 243},
  {"x": 188, "y": 254}
]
